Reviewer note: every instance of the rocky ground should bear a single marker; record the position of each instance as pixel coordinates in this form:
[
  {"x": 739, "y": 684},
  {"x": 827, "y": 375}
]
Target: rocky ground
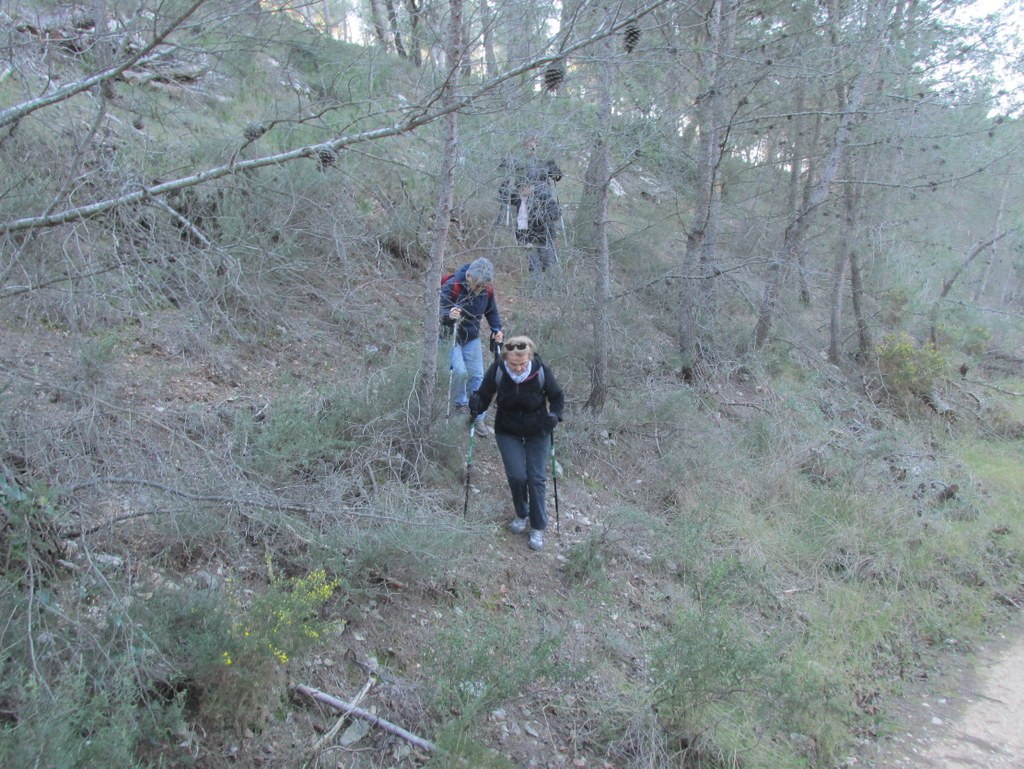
[{"x": 970, "y": 716}]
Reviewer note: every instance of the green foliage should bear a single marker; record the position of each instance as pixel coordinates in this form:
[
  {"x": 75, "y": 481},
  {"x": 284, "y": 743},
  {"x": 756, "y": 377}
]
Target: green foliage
[
  {"x": 459, "y": 749},
  {"x": 585, "y": 561},
  {"x": 972, "y": 339},
  {"x": 264, "y": 634},
  {"x": 310, "y": 434},
  {"x": 481, "y": 659},
  {"x": 96, "y": 357},
  {"x": 77, "y": 722},
  {"x": 907, "y": 367},
  {"x": 722, "y": 688},
  {"x": 232, "y": 649},
  {"x": 28, "y": 530},
  {"x": 284, "y": 621},
  {"x": 415, "y": 552}
]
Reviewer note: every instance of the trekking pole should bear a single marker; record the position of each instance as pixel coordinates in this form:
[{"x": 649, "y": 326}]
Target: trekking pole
[
  {"x": 469, "y": 467},
  {"x": 451, "y": 368},
  {"x": 554, "y": 482}
]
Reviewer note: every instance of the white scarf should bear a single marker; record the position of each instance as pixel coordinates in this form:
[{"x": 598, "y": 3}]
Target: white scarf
[{"x": 519, "y": 378}]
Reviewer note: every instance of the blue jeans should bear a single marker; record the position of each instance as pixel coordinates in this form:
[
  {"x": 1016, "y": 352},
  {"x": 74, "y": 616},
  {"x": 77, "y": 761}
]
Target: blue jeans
[
  {"x": 526, "y": 466},
  {"x": 467, "y": 364}
]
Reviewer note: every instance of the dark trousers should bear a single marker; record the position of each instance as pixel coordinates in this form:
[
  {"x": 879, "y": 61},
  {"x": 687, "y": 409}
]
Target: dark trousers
[
  {"x": 543, "y": 255},
  {"x": 526, "y": 466}
]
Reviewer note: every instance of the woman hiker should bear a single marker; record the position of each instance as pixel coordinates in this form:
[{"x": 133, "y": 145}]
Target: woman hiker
[{"x": 529, "y": 406}]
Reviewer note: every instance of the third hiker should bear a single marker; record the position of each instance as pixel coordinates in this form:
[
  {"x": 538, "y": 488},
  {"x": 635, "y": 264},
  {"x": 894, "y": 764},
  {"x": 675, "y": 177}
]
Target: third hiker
[{"x": 528, "y": 193}]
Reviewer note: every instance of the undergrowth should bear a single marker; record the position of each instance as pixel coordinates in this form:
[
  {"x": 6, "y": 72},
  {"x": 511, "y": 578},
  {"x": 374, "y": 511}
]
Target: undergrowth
[{"x": 754, "y": 564}]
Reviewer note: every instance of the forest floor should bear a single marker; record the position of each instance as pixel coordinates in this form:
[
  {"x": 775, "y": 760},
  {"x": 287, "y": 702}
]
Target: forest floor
[{"x": 967, "y": 714}]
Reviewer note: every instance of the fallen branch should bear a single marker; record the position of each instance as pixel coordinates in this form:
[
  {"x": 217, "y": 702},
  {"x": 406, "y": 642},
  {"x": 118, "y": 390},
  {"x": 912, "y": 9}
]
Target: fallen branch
[
  {"x": 366, "y": 715},
  {"x": 331, "y": 733}
]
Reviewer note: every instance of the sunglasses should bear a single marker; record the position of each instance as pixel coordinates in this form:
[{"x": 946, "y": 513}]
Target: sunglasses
[{"x": 516, "y": 346}]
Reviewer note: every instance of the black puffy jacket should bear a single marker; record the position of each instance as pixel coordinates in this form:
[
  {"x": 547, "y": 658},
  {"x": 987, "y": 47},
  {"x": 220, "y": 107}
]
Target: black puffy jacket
[{"x": 522, "y": 407}]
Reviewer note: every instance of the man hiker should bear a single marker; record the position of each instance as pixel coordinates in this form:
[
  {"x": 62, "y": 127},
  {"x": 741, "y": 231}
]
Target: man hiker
[
  {"x": 467, "y": 298},
  {"x": 528, "y": 192}
]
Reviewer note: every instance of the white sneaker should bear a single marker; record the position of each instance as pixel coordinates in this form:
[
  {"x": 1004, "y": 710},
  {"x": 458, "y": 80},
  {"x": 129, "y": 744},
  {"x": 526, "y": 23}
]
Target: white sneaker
[
  {"x": 518, "y": 525},
  {"x": 536, "y": 539},
  {"x": 482, "y": 428}
]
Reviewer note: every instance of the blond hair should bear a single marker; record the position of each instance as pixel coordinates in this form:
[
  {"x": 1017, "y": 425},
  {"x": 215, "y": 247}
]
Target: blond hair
[{"x": 530, "y": 346}]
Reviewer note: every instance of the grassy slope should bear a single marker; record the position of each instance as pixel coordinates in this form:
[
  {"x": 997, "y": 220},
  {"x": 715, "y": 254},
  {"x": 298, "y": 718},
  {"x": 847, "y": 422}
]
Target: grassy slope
[{"x": 744, "y": 573}]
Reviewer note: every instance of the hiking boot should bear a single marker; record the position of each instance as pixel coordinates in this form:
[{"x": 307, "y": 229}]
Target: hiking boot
[
  {"x": 482, "y": 428},
  {"x": 536, "y": 539},
  {"x": 518, "y": 525},
  {"x": 457, "y": 409}
]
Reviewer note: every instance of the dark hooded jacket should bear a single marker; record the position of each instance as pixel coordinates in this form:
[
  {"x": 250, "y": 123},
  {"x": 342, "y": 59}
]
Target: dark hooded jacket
[
  {"x": 522, "y": 407},
  {"x": 475, "y": 307}
]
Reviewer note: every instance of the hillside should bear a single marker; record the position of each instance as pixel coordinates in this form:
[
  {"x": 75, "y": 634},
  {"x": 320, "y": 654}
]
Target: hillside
[{"x": 215, "y": 491}]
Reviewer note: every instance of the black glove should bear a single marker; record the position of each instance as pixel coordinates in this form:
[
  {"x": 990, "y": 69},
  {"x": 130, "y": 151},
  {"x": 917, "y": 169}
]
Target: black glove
[
  {"x": 553, "y": 421},
  {"x": 474, "y": 405}
]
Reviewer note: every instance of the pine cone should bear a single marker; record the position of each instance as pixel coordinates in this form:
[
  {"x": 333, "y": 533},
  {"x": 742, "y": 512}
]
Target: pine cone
[
  {"x": 254, "y": 131},
  {"x": 325, "y": 159},
  {"x": 631, "y": 36},
  {"x": 554, "y": 74}
]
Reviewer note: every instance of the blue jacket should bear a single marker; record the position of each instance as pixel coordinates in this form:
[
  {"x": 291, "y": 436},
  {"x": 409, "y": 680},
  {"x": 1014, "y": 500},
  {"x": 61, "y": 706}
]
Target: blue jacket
[{"x": 475, "y": 307}]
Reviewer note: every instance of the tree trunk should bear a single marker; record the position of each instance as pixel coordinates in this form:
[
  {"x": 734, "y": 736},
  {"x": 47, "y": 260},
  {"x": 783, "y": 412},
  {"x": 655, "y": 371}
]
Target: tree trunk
[
  {"x": 422, "y": 419},
  {"x": 415, "y": 10},
  {"x": 487, "y": 35},
  {"x": 847, "y": 250},
  {"x": 396, "y": 34},
  {"x": 380, "y": 31},
  {"x": 793, "y": 240},
  {"x": 698, "y": 269},
  {"x": 602, "y": 289},
  {"x": 864, "y": 342}
]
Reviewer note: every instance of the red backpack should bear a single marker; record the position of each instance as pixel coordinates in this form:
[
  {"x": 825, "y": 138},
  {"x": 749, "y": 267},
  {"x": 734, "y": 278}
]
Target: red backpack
[{"x": 457, "y": 288}]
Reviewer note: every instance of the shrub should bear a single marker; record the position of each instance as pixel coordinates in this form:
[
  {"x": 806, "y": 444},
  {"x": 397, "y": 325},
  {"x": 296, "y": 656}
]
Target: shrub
[
  {"x": 908, "y": 368},
  {"x": 29, "y": 540},
  {"x": 482, "y": 659},
  {"x": 310, "y": 434},
  {"x": 585, "y": 561},
  {"x": 78, "y": 721},
  {"x": 233, "y": 649},
  {"x": 721, "y": 684}
]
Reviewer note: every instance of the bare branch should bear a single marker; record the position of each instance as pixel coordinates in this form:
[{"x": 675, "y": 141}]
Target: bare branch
[
  {"x": 415, "y": 117},
  {"x": 18, "y": 111},
  {"x": 366, "y": 715}
]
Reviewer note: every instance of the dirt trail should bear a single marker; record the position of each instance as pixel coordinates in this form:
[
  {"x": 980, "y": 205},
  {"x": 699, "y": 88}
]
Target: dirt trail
[{"x": 972, "y": 720}]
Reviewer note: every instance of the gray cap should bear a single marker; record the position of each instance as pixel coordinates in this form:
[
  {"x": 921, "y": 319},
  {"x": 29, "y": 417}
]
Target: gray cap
[{"x": 481, "y": 270}]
